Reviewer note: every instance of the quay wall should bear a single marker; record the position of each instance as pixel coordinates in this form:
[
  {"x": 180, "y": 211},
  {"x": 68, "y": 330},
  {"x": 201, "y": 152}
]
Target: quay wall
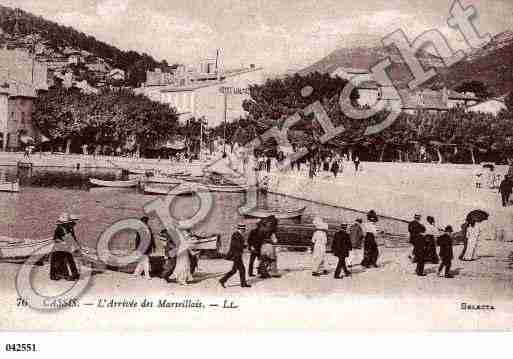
[
  {"x": 92, "y": 161},
  {"x": 399, "y": 190}
]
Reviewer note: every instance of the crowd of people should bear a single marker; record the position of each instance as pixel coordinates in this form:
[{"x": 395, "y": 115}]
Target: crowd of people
[{"x": 181, "y": 258}]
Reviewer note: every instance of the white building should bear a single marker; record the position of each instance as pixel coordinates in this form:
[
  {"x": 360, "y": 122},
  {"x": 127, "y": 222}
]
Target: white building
[
  {"x": 209, "y": 99},
  {"x": 492, "y": 106}
]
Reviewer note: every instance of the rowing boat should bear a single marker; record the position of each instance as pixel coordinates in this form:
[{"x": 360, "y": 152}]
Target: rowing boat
[
  {"x": 279, "y": 214},
  {"x": 162, "y": 180},
  {"x": 15, "y": 248},
  {"x": 227, "y": 188},
  {"x": 135, "y": 171},
  {"x": 200, "y": 243},
  {"x": 9, "y": 186},
  {"x": 116, "y": 184},
  {"x": 158, "y": 190}
]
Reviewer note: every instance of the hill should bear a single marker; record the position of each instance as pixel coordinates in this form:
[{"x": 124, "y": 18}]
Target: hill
[
  {"x": 492, "y": 65},
  {"x": 366, "y": 57},
  {"x": 22, "y": 29}
]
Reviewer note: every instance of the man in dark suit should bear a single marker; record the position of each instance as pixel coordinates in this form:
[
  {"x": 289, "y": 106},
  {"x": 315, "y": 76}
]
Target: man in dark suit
[
  {"x": 341, "y": 247},
  {"x": 255, "y": 242},
  {"x": 446, "y": 252},
  {"x": 235, "y": 255},
  {"x": 416, "y": 230}
]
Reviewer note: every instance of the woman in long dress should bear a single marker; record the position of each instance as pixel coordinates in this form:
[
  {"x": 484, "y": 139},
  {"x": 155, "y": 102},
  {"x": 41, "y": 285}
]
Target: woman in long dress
[
  {"x": 473, "y": 235},
  {"x": 320, "y": 240},
  {"x": 370, "y": 246},
  {"x": 182, "y": 273}
]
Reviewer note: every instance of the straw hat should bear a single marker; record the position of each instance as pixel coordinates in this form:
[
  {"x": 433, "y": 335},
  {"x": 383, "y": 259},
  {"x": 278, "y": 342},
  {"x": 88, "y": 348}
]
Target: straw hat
[
  {"x": 67, "y": 218},
  {"x": 319, "y": 223}
]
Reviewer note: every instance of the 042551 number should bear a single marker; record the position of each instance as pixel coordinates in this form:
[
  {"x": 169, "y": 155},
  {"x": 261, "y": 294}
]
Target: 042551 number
[{"x": 20, "y": 348}]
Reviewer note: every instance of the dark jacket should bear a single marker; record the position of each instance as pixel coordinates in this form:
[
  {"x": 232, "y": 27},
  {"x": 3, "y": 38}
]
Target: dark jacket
[
  {"x": 341, "y": 245},
  {"x": 506, "y": 186},
  {"x": 335, "y": 167},
  {"x": 150, "y": 248},
  {"x": 236, "y": 247},
  {"x": 356, "y": 235},
  {"x": 445, "y": 243},
  {"x": 416, "y": 229},
  {"x": 255, "y": 240}
]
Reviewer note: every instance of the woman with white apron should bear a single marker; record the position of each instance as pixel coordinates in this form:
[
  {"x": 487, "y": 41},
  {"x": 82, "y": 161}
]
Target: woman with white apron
[{"x": 320, "y": 241}]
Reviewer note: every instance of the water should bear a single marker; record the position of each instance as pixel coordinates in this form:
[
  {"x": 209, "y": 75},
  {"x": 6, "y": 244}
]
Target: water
[{"x": 47, "y": 192}]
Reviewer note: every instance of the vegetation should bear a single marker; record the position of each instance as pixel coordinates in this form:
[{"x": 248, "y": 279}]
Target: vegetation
[
  {"x": 453, "y": 136},
  {"x": 110, "y": 119},
  {"x": 17, "y": 22}
]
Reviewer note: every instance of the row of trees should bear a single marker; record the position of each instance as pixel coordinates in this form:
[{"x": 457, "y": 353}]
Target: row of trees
[
  {"x": 452, "y": 136},
  {"x": 113, "y": 118}
]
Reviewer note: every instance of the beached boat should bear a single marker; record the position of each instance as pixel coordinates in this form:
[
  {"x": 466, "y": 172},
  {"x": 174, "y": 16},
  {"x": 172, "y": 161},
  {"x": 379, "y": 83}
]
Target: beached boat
[
  {"x": 203, "y": 243},
  {"x": 162, "y": 179},
  {"x": 15, "y": 248},
  {"x": 135, "y": 171},
  {"x": 278, "y": 213},
  {"x": 227, "y": 188},
  {"x": 9, "y": 186},
  {"x": 157, "y": 190},
  {"x": 116, "y": 184}
]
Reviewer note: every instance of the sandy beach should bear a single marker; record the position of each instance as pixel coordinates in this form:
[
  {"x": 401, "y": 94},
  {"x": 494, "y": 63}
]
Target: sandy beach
[{"x": 392, "y": 292}]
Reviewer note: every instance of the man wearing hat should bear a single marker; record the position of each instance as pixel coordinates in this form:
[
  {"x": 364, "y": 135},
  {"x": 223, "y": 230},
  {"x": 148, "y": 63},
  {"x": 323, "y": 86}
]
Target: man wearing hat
[
  {"x": 61, "y": 258},
  {"x": 235, "y": 255},
  {"x": 417, "y": 231},
  {"x": 341, "y": 247}
]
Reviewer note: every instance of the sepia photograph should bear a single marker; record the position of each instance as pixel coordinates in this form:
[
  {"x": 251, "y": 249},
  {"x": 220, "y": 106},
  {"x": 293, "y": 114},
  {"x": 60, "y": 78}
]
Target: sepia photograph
[{"x": 256, "y": 165}]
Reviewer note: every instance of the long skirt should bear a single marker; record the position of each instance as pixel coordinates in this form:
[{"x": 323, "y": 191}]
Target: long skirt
[
  {"x": 318, "y": 258},
  {"x": 370, "y": 251},
  {"x": 182, "y": 273},
  {"x": 430, "y": 254},
  {"x": 62, "y": 266},
  {"x": 471, "y": 251}
]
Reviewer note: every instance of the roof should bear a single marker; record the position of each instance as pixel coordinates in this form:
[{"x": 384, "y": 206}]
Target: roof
[
  {"x": 425, "y": 99},
  {"x": 454, "y": 95}
]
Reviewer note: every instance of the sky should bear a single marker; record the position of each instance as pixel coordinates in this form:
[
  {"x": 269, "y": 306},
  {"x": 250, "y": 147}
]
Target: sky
[{"x": 278, "y": 35}]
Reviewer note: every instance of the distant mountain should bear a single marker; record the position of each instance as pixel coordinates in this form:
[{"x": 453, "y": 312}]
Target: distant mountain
[
  {"x": 18, "y": 26},
  {"x": 365, "y": 57},
  {"x": 492, "y": 65}
]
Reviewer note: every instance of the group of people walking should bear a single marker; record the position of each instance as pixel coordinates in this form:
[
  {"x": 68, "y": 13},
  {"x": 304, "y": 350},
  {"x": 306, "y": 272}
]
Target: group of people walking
[{"x": 181, "y": 259}]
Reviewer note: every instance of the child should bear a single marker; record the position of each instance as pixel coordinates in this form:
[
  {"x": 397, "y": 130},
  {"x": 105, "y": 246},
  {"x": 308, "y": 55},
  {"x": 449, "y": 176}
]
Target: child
[
  {"x": 267, "y": 258},
  {"x": 446, "y": 254}
]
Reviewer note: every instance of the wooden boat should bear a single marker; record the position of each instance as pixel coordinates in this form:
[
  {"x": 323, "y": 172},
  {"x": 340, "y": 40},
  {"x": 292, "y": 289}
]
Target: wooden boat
[
  {"x": 279, "y": 214},
  {"x": 15, "y": 248},
  {"x": 9, "y": 186},
  {"x": 116, "y": 184},
  {"x": 227, "y": 188},
  {"x": 203, "y": 243},
  {"x": 162, "y": 179},
  {"x": 135, "y": 171},
  {"x": 157, "y": 190}
]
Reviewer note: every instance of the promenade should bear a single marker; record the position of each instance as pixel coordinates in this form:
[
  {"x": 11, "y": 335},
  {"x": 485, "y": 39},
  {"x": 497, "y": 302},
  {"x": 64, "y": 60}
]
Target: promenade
[{"x": 392, "y": 293}]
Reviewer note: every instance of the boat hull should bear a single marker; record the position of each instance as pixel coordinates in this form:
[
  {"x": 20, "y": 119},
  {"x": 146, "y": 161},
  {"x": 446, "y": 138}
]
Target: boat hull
[
  {"x": 114, "y": 184},
  {"x": 263, "y": 213},
  {"x": 11, "y": 248},
  {"x": 9, "y": 187}
]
